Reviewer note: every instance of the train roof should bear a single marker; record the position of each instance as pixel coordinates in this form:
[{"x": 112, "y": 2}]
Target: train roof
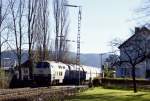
[
  {"x": 74, "y": 67},
  {"x": 90, "y": 68}
]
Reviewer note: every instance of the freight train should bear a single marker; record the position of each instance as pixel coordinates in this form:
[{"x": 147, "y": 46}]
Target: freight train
[{"x": 51, "y": 73}]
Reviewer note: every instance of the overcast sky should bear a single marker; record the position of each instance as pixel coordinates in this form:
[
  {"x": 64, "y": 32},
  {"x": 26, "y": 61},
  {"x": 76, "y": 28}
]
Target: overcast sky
[{"x": 102, "y": 21}]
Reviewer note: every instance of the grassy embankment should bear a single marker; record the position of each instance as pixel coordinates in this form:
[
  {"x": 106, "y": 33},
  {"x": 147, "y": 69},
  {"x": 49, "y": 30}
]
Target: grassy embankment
[{"x": 101, "y": 94}]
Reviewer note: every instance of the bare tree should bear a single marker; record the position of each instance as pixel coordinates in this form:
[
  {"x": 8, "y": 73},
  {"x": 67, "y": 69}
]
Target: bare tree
[
  {"x": 17, "y": 11},
  {"x": 3, "y": 15},
  {"x": 44, "y": 23},
  {"x": 112, "y": 61},
  {"x": 31, "y": 19},
  {"x": 56, "y": 8},
  {"x": 143, "y": 13},
  {"x": 61, "y": 28},
  {"x": 135, "y": 51},
  {"x": 42, "y": 35}
]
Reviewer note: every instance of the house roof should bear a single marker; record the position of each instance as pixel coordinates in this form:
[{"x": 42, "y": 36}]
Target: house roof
[{"x": 137, "y": 30}]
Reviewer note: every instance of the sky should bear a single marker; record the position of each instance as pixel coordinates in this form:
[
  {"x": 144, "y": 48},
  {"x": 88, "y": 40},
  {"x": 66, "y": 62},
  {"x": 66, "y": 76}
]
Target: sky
[{"x": 102, "y": 21}]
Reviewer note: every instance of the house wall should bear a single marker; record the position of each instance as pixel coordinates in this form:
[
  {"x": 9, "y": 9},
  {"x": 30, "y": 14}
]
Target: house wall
[
  {"x": 142, "y": 39},
  {"x": 126, "y": 70}
]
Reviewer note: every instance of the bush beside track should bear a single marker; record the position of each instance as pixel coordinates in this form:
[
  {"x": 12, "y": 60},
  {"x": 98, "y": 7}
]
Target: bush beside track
[
  {"x": 125, "y": 83},
  {"x": 4, "y": 79}
]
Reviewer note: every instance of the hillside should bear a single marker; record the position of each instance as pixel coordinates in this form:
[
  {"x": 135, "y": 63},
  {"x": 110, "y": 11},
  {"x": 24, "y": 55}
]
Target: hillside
[{"x": 89, "y": 59}]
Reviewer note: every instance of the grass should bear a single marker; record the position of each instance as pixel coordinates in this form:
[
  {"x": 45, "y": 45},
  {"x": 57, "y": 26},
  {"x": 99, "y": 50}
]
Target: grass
[{"x": 101, "y": 94}]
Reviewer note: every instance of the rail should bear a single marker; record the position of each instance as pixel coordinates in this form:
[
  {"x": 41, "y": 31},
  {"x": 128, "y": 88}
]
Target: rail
[{"x": 39, "y": 94}]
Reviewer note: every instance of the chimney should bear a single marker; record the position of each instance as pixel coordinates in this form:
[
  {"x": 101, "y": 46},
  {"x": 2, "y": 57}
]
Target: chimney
[{"x": 137, "y": 30}]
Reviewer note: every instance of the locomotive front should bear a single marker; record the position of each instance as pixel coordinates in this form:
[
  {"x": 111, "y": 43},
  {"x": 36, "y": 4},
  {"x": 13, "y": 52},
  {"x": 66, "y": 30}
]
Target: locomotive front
[{"x": 42, "y": 73}]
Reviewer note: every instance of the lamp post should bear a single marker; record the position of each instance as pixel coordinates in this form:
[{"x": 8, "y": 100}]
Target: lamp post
[
  {"x": 0, "y": 32},
  {"x": 101, "y": 60},
  {"x": 78, "y": 37},
  {"x": 101, "y": 65}
]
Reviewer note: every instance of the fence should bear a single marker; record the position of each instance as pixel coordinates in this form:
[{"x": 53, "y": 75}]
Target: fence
[{"x": 126, "y": 83}]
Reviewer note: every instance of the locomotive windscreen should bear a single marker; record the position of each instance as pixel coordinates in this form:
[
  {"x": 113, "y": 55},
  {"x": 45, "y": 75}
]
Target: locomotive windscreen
[{"x": 42, "y": 65}]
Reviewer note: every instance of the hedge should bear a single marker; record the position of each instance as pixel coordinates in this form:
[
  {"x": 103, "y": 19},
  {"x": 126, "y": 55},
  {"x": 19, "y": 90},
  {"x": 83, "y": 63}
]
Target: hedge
[
  {"x": 4, "y": 79},
  {"x": 125, "y": 82}
]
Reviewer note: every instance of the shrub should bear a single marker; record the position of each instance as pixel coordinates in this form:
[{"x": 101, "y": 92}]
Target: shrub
[
  {"x": 4, "y": 81},
  {"x": 108, "y": 72},
  {"x": 90, "y": 83},
  {"x": 96, "y": 81},
  {"x": 124, "y": 82}
]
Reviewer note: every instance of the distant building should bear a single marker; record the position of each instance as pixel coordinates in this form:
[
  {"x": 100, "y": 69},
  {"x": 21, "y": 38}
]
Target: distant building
[
  {"x": 136, "y": 45},
  {"x": 7, "y": 64}
]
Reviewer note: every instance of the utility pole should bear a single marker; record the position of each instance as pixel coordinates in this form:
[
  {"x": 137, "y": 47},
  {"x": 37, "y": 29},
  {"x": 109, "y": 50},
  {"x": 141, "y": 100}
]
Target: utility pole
[
  {"x": 59, "y": 52},
  {"x": 101, "y": 65},
  {"x": 101, "y": 61},
  {"x": 78, "y": 38},
  {"x": 56, "y": 48},
  {"x": 0, "y": 32},
  {"x": 78, "y": 41}
]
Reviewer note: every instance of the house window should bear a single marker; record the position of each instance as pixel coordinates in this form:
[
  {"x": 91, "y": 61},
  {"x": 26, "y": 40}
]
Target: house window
[{"x": 122, "y": 72}]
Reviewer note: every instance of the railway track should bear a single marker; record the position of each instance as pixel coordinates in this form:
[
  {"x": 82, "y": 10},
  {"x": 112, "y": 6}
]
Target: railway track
[
  {"x": 11, "y": 94},
  {"x": 23, "y": 93}
]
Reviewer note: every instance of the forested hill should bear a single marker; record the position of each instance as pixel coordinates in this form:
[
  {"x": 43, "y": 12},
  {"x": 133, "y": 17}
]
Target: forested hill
[{"x": 89, "y": 59}]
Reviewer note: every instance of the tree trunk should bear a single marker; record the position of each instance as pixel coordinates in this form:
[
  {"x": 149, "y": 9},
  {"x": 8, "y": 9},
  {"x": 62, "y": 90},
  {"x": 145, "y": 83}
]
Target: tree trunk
[
  {"x": 134, "y": 80},
  {"x": 30, "y": 61}
]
